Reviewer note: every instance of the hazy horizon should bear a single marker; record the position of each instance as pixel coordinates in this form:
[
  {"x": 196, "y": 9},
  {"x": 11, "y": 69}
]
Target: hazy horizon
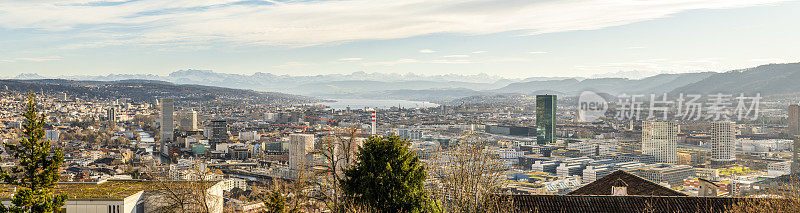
[{"x": 513, "y": 39}]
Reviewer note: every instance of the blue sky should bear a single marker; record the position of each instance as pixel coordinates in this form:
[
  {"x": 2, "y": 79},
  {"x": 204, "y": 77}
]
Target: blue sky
[{"x": 512, "y": 38}]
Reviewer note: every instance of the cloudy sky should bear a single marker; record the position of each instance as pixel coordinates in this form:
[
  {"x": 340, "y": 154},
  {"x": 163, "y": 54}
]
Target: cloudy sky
[{"x": 510, "y": 38}]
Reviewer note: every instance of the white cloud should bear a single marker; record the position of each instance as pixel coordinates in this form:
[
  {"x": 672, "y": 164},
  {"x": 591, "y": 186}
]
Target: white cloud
[
  {"x": 303, "y": 23},
  {"x": 350, "y": 59},
  {"x": 427, "y": 51},
  {"x": 537, "y": 52},
  {"x": 456, "y": 56},
  {"x": 456, "y": 61},
  {"x": 635, "y": 47},
  {"x": 478, "y": 52},
  {"x": 391, "y": 63},
  {"x": 33, "y": 59}
]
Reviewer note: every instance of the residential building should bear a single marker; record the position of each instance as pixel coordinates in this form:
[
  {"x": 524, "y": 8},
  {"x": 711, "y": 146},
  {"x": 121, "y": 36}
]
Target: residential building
[
  {"x": 723, "y": 146},
  {"x": 300, "y": 145},
  {"x": 660, "y": 139}
]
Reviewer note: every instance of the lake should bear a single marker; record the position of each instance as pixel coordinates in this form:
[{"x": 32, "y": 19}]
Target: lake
[{"x": 382, "y": 104}]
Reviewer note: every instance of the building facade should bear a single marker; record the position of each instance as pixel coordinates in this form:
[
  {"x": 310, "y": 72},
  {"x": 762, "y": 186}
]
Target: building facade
[
  {"x": 219, "y": 133},
  {"x": 545, "y": 119},
  {"x": 188, "y": 120},
  {"x": 723, "y": 145},
  {"x": 167, "y": 124},
  {"x": 660, "y": 139},
  {"x": 300, "y": 145},
  {"x": 794, "y": 120}
]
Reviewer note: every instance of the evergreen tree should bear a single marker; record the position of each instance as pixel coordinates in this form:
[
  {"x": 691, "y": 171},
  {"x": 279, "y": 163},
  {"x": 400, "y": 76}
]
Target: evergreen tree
[
  {"x": 387, "y": 177},
  {"x": 36, "y": 172}
]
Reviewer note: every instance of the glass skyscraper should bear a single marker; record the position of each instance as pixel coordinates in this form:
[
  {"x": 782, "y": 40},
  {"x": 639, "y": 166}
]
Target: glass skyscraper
[{"x": 545, "y": 119}]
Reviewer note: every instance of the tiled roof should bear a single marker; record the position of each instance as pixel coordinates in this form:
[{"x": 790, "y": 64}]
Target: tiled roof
[
  {"x": 636, "y": 186},
  {"x": 619, "y": 204}
]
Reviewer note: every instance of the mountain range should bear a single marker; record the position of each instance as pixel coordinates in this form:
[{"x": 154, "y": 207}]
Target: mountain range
[{"x": 770, "y": 79}]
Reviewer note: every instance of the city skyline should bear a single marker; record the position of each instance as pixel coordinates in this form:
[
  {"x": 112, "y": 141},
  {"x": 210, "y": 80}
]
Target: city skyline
[{"x": 512, "y": 39}]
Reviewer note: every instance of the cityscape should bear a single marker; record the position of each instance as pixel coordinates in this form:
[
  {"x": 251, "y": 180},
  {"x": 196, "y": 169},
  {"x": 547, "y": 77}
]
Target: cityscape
[{"x": 314, "y": 115}]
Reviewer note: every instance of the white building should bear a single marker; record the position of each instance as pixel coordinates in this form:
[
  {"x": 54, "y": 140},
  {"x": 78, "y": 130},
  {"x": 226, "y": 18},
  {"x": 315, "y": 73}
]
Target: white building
[
  {"x": 723, "y": 146},
  {"x": 231, "y": 183},
  {"x": 249, "y": 136},
  {"x": 300, "y": 145},
  {"x": 126, "y": 196},
  {"x": 660, "y": 139},
  {"x": 51, "y": 135},
  {"x": 188, "y": 120},
  {"x": 778, "y": 168}
]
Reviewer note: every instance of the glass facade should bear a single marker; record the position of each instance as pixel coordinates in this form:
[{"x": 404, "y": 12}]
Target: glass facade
[{"x": 545, "y": 119}]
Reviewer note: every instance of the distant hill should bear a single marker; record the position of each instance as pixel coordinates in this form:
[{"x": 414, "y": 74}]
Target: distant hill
[
  {"x": 771, "y": 79},
  {"x": 655, "y": 84},
  {"x": 148, "y": 90}
]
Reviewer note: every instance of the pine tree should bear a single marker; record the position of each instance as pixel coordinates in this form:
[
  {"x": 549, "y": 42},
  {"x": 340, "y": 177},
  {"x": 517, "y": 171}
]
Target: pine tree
[
  {"x": 36, "y": 172},
  {"x": 387, "y": 177}
]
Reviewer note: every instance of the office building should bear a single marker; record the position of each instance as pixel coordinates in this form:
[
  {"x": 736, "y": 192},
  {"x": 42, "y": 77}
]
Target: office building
[
  {"x": 219, "y": 133},
  {"x": 796, "y": 156},
  {"x": 723, "y": 146},
  {"x": 300, "y": 146},
  {"x": 545, "y": 119},
  {"x": 188, "y": 120},
  {"x": 167, "y": 126},
  {"x": 665, "y": 174},
  {"x": 111, "y": 115},
  {"x": 660, "y": 139},
  {"x": 794, "y": 120}
]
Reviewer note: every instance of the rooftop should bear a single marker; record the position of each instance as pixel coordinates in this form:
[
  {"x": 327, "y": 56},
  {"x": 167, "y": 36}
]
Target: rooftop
[
  {"x": 635, "y": 186},
  {"x": 111, "y": 189}
]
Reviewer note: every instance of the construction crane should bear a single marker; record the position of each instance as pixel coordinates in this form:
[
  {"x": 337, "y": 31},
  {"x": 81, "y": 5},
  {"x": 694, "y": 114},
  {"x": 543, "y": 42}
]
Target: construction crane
[
  {"x": 330, "y": 121},
  {"x": 295, "y": 126}
]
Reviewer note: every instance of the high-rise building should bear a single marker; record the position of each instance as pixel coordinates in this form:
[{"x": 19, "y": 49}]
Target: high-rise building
[
  {"x": 794, "y": 119},
  {"x": 660, "y": 139},
  {"x": 167, "y": 124},
  {"x": 723, "y": 146},
  {"x": 300, "y": 145},
  {"x": 545, "y": 119},
  {"x": 796, "y": 156},
  {"x": 188, "y": 120},
  {"x": 219, "y": 132},
  {"x": 111, "y": 114}
]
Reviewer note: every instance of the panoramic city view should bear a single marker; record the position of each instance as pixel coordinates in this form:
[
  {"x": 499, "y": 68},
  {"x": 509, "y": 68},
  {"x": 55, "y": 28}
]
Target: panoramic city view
[{"x": 286, "y": 106}]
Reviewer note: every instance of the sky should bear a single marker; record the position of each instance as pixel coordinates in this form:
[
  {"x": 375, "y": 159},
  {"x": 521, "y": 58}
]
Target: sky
[{"x": 508, "y": 38}]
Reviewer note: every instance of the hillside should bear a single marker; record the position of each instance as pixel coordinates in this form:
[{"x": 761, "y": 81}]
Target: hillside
[
  {"x": 654, "y": 84},
  {"x": 771, "y": 79},
  {"x": 147, "y": 90}
]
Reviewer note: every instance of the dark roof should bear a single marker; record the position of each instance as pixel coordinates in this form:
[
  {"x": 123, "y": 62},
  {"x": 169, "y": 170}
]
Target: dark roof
[
  {"x": 619, "y": 204},
  {"x": 636, "y": 186}
]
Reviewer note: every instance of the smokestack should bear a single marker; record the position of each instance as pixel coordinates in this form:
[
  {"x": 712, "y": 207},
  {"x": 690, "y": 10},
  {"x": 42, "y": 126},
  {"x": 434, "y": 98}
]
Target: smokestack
[{"x": 372, "y": 117}]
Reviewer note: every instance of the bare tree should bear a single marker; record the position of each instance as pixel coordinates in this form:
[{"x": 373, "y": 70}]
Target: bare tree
[
  {"x": 466, "y": 178},
  {"x": 198, "y": 193},
  {"x": 338, "y": 152}
]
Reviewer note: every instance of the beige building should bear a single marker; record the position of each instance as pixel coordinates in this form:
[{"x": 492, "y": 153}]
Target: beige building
[{"x": 660, "y": 139}]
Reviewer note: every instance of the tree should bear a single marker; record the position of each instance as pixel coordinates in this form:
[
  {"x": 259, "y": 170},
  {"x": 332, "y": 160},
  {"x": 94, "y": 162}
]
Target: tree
[
  {"x": 36, "y": 172},
  {"x": 387, "y": 177},
  {"x": 469, "y": 179},
  {"x": 338, "y": 152},
  {"x": 190, "y": 195}
]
